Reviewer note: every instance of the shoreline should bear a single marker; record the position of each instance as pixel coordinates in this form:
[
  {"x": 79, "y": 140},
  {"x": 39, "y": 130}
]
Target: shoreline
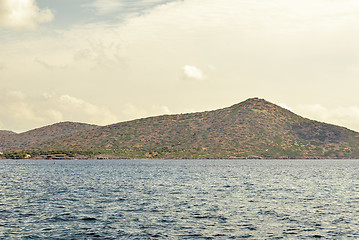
[{"x": 137, "y": 158}]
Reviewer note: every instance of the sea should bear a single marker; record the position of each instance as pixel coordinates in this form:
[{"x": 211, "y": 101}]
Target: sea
[{"x": 179, "y": 199}]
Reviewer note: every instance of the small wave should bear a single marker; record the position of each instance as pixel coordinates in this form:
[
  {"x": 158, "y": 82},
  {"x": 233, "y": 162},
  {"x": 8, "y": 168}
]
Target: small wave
[
  {"x": 93, "y": 235},
  {"x": 88, "y": 219}
]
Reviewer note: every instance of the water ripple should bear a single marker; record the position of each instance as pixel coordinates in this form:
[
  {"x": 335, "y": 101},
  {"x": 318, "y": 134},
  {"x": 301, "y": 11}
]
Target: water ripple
[{"x": 179, "y": 199}]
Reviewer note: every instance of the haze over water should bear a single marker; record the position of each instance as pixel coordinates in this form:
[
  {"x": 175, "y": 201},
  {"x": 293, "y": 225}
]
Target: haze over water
[{"x": 179, "y": 199}]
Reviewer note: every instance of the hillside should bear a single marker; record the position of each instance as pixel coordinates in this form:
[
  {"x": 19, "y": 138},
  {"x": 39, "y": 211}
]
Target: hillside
[
  {"x": 6, "y": 133},
  {"x": 10, "y": 140},
  {"x": 251, "y": 128}
]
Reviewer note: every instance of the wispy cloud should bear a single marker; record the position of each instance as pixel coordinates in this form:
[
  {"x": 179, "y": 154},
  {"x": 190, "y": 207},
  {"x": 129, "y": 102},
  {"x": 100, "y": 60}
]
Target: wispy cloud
[
  {"x": 23, "y": 14},
  {"x": 104, "y": 7},
  {"x": 347, "y": 116},
  {"x": 192, "y": 72},
  {"x": 22, "y": 112},
  {"x": 76, "y": 108}
]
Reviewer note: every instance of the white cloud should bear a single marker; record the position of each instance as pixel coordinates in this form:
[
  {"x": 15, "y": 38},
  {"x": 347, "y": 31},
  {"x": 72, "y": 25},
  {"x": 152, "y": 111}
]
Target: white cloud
[
  {"x": 75, "y": 108},
  {"x": 104, "y": 7},
  {"x": 21, "y": 112},
  {"x": 347, "y": 116},
  {"x": 22, "y": 14},
  {"x": 127, "y": 8},
  {"x": 102, "y": 53},
  {"x": 192, "y": 72},
  {"x": 15, "y": 110}
]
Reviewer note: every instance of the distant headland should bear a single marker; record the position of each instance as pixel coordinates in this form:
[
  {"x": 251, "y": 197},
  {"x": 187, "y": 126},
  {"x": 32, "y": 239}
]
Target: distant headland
[{"x": 254, "y": 128}]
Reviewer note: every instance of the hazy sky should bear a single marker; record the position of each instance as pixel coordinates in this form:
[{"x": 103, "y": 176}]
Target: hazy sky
[{"x": 105, "y": 61}]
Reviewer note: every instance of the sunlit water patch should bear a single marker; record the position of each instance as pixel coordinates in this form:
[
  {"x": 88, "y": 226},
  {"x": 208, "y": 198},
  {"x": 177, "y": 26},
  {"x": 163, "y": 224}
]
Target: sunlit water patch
[{"x": 179, "y": 199}]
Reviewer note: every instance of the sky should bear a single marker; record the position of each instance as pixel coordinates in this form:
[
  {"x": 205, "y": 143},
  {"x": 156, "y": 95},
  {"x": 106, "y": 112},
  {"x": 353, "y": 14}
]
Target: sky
[{"x": 107, "y": 61}]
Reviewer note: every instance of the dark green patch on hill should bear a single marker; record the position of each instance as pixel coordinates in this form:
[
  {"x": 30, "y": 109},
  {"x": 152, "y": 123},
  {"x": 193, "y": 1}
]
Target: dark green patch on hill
[{"x": 251, "y": 128}]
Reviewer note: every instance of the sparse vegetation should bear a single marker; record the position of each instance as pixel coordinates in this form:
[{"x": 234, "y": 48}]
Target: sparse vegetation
[{"x": 254, "y": 127}]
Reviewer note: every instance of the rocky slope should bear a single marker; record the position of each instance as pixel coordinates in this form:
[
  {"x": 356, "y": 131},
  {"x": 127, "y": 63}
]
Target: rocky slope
[
  {"x": 6, "y": 133},
  {"x": 10, "y": 140}
]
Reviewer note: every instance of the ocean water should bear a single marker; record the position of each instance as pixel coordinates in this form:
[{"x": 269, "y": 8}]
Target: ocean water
[{"x": 179, "y": 199}]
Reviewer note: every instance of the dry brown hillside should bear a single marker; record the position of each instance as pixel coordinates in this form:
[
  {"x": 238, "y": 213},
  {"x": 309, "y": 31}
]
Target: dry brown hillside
[
  {"x": 251, "y": 128},
  {"x": 10, "y": 140}
]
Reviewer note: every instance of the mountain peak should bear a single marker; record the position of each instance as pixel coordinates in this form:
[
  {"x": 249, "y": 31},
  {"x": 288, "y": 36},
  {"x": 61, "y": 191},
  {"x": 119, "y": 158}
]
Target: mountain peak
[
  {"x": 253, "y": 101},
  {"x": 259, "y": 105}
]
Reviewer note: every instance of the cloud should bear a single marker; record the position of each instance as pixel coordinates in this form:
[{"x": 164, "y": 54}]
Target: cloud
[
  {"x": 127, "y": 8},
  {"x": 192, "y": 72},
  {"x": 23, "y": 14},
  {"x": 347, "y": 116},
  {"x": 104, "y": 7},
  {"x": 15, "y": 111},
  {"x": 105, "y": 54},
  {"x": 21, "y": 112},
  {"x": 47, "y": 65},
  {"x": 76, "y": 108}
]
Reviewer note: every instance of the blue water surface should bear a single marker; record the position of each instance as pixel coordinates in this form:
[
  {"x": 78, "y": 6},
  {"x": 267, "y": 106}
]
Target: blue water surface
[{"x": 179, "y": 199}]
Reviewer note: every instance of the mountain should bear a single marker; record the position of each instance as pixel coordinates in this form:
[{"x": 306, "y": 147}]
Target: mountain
[
  {"x": 253, "y": 128},
  {"x": 10, "y": 140}
]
